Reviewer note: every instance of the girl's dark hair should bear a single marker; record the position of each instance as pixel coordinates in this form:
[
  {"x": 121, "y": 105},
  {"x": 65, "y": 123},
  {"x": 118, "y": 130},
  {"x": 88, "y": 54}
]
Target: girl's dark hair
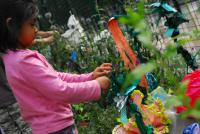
[{"x": 19, "y": 11}]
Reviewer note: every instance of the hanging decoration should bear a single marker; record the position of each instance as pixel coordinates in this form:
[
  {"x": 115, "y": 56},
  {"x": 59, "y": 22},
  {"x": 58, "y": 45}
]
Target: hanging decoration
[
  {"x": 132, "y": 101},
  {"x": 126, "y": 53},
  {"x": 174, "y": 19}
]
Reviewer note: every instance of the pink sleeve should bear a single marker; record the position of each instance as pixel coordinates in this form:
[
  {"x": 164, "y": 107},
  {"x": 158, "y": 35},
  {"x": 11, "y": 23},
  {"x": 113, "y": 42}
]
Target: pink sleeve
[
  {"x": 75, "y": 77},
  {"x": 47, "y": 82}
]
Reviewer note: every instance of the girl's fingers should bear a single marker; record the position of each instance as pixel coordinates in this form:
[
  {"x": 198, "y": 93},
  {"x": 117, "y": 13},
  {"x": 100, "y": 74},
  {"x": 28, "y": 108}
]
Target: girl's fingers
[
  {"x": 101, "y": 69},
  {"x": 49, "y": 39},
  {"x": 102, "y": 74},
  {"x": 106, "y": 64}
]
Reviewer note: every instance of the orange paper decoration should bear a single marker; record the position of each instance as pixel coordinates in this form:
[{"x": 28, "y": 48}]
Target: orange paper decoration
[{"x": 126, "y": 53}]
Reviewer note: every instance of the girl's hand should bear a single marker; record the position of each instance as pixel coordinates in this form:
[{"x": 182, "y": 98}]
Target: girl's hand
[
  {"x": 103, "y": 70},
  {"x": 104, "y": 83},
  {"x": 46, "y": 37},
  {"x": 45, "y": 34},
  {"x": 49, "y": 39}
]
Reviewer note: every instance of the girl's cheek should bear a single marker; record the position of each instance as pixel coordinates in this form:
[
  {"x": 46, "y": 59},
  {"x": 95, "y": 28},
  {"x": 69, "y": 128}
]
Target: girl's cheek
[
  {"x": 26, "y": 40},
  {"x": 27, "y": 35}
]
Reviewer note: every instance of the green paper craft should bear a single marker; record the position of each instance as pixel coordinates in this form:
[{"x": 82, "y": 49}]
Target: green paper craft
[{"x": 139, "y": 121}]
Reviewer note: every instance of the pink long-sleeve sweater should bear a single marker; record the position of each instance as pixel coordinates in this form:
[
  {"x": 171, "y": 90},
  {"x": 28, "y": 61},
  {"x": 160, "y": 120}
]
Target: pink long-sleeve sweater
[{"x": 44, "y": 95}]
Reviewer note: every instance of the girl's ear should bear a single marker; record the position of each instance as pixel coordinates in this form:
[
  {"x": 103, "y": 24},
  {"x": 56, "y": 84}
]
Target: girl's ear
[{"x": 8, "y": 20}]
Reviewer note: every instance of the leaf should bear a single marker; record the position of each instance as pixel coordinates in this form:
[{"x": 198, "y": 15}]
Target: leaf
[
  {"x": 182, "y": 88},
  {"x": 195, "y": 114},
  {"x": 197, "y": 104},
  {"x": 185, "y": 114},
  {"x": 170, "y": 51},
  {"x": 138, "y": 73},
  {"x": 184, "y": 41},
  {"x": 172, "y": 101},
  {"x": 140, "y": 8}
]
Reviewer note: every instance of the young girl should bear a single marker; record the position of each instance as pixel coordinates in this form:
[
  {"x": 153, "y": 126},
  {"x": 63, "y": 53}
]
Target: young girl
[{"x": 44, "y": 95}]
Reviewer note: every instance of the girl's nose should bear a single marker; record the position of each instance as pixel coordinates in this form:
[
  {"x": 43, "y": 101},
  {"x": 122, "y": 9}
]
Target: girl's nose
[{"x": 36, "y": 29}]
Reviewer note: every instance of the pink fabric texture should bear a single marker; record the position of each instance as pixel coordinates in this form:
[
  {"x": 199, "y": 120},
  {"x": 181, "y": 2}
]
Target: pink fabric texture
[{"x": 44, "y": 95}]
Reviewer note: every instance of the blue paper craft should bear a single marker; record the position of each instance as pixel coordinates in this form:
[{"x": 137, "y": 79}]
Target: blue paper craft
[
  {"x": 169, "y": 32},
  {"x": 169, "y": 8},
  {"x": 74, "y": 56},
  {"x": 157, "y": 4},
  {"x": 160, "y": 93},
  {"x": 192, "y": 129},
  {"x": 124, "y": 118}
]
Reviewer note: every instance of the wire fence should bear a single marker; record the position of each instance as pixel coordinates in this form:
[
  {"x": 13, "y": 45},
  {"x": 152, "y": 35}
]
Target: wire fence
[{"x": 190, "y": 11}]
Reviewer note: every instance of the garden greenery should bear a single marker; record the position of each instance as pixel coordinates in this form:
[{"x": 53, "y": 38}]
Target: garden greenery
[{"x": 167, "y": 65}]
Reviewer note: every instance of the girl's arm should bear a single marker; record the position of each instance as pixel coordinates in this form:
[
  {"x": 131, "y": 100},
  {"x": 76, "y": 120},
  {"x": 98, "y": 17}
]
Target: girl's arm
[
  {"x": 48, "y": 83},
  {"x": 49, "y": 39},
  {"x": 75, "y": 77},
  {"x": 45, "y": 34},
  {"x": 103, "y": 70},
  {"x": 45, "y": 37}
]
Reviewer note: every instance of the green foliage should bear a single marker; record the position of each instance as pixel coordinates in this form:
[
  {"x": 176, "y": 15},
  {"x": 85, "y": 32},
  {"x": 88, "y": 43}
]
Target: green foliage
[
  {"x": 168, "y": 66},
  {"x": 100, "y": 120},
  {"x": 59, "y": 10},
  {"x": 138, "y": 73},
  {"x": 56, "y": 53}
]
